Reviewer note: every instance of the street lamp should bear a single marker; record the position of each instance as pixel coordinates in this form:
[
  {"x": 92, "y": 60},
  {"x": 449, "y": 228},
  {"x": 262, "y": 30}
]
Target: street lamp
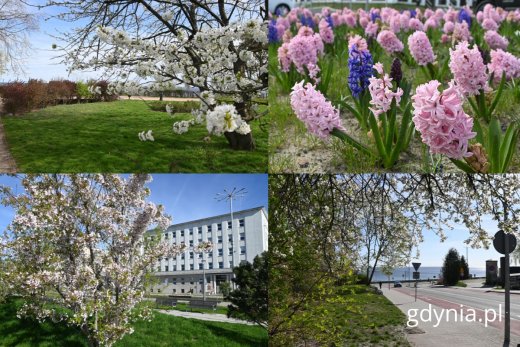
[{"x": 204, "y": 280}]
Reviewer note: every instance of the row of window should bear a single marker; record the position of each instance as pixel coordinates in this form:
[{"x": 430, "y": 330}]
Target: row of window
[
  {"x": 241, "y": 223},
  {"x": 192, "y": 267}
]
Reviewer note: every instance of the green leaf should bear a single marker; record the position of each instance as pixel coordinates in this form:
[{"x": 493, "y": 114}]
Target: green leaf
[
  {"x": 496, "y": 99},
  {"x": 351, "y": 141},
  {"x": 494, "y": 140},
  {"x": 463, "y": 165}
]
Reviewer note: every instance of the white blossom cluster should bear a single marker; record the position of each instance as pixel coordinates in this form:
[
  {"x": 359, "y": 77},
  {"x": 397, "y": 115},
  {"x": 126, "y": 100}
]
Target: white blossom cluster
[
  {"x": 146, "y": 136},
  {"x": 182, "y": 126},
  {"x": 224, "y": 118}
]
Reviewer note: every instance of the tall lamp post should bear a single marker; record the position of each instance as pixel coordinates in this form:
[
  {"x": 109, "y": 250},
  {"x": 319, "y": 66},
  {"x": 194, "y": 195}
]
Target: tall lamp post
[
  {"x": 230, "y": 195},
  {"x": 204, "y": 280}
]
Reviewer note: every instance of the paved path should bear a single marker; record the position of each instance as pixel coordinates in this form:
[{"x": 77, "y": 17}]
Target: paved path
[
  {"x": 7, "y": 163},
  {"x": 206, "y": 316},
  {"x": 153, "y": 98},
  {"x": 456, "y": 331}
]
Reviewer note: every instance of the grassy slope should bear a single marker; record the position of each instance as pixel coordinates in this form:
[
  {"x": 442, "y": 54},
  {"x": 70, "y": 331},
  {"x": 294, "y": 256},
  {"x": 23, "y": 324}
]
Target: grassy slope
[
  {"x": 164, "y": 330},
  {"x": 102, "y": 137}
]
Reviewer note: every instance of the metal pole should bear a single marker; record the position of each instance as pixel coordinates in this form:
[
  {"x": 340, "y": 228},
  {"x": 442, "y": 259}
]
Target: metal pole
[
  {"x": 507, "y": 332},
  {"x": 204, "y": 280},
  {"x": 415, "y": 290}
]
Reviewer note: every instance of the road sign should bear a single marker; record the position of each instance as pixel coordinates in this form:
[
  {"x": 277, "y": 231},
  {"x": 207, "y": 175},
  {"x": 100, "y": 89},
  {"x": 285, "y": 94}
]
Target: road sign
[
  {"x": 499, "y": 242},
  {"x": 416, "y": 275},
  {"x": 416, "y": 266}
]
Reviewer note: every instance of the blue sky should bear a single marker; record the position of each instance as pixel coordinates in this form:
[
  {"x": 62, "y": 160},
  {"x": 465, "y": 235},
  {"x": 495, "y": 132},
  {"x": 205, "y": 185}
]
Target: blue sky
[
  {"x": 185, "y": 197},
  {"x": 40, "y": 63},
  {"x": 432, "y": 251}
]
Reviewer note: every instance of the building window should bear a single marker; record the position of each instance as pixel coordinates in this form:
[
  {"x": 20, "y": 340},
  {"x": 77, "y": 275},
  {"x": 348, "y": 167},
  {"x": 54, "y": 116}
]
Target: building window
[
  {"x": 242, "y": 237},
  {"x": 174, "y": 290},
  {"x": 182, "y": 290},
  {"x": 201, "y": 266},
  {"x": 209, "y": 238},
  {"x": 174, "y": 280},
  {"x": 200, "y": 239},
  {"x": 182, "y": 267},
  {"x": 166, "y": 236},
  {"x": 182, "y": 233},
  {"x": 191, "y": 255},
  {"x": 182, "y": 280},
  {"x": 242, "y": 249},
  {"x": 158, "y": 290},
  {"x": 191, "y": 283},
  {"x": 230, "y": 251},
  {"x": 200, "y": 256},
  {"x": 210, "y": 266},
  {"x": 221, "y": 265},
  {"x": 191, "y": 267},
  {"x": 210, "y": 254},
  {"x": 229, "y": 225},
  {"x": 191, "y": 243},
  {"x": 230, "y": 239},
  {"x": 219, "y": 240},
  {"x": 183, "y": 256},
  {"x": 219, "y": 226},
  {"x": 209, "y": 228},
  {"x": 241, "y": 223},
  {"x": 199, "y": 229},
  {"x": 231, "y": 263},
  {"x": 220, "y": 252},
  {"x": 166, "y": 270}
]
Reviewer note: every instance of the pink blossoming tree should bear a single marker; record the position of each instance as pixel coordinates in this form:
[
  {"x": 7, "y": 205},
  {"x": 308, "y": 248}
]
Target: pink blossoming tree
[{"x": 76, "y": 254}]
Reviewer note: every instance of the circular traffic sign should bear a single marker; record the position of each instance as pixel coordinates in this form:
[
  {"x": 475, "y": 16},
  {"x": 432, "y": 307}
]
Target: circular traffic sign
[{"x": 499, "y": 242}]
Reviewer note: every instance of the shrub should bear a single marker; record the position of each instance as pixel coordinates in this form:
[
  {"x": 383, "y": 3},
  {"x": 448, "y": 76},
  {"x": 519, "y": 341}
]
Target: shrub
[
  {"x": 16, "y": 97},
  {"x": 82, "y": 91},
  {"x": 37, "y": 93},
  {"x": 177, "y": 106}
]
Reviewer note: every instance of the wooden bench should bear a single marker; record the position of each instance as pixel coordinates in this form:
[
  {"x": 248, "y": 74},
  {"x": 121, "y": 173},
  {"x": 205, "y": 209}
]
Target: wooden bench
[
  {"x": 202, "y": 304},
  {"x": 166, "y": 301}
]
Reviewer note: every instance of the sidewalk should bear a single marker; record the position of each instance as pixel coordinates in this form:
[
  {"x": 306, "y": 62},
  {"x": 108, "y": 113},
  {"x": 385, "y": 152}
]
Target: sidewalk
[
  {"x": 459, "y": 333},
  {"x": 206, "y": 316}
]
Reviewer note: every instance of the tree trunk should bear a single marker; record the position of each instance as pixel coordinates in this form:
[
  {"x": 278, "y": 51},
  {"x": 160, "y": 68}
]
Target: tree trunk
[{"x": 240, "y": 142}]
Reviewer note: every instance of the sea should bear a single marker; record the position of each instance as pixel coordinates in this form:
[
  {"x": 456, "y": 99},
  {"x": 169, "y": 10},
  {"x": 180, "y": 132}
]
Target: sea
[{"x": 427, "y": 272}]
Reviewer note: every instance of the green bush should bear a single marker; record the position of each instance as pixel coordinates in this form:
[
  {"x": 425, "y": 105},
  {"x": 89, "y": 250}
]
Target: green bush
[
  {"x": 461, "y": 284},
  {"x": 82, "y": 90}
]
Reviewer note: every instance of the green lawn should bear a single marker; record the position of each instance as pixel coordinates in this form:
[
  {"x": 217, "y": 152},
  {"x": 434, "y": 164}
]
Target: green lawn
[
  {"x": 163, "y": 330},
  {"x": 102, "y": 137}
]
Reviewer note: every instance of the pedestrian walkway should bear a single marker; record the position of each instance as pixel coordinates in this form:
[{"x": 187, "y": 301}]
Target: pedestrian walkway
[
  {"x": 205, "y": 316},
  {"x": 7, "y": 163},
  {"x": 447, "y": 333}
]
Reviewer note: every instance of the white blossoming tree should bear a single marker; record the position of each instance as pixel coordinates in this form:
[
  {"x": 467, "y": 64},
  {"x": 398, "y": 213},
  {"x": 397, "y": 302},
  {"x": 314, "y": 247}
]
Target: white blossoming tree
[
  {"x": 217, "y": 46},
  {"x": 76, "y": 254}
]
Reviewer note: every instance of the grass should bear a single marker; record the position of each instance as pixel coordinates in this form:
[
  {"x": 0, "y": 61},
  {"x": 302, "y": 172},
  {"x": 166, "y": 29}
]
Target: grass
[
  {"x": 373, "y": 320},
  {"x": 102, "y": 137},
  {"x": 461, "y": 284},
  {"x": 351, "y": 315},
  {"x": 163, "y": 330}
]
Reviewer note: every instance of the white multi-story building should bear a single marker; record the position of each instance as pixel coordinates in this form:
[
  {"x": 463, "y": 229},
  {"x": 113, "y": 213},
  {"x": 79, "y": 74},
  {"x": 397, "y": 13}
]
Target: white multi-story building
[{"x": 243, "y": 240}]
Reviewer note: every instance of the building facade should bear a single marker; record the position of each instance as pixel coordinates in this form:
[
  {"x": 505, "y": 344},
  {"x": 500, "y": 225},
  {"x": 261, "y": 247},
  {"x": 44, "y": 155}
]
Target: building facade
[{"x": 241, "y": 240}]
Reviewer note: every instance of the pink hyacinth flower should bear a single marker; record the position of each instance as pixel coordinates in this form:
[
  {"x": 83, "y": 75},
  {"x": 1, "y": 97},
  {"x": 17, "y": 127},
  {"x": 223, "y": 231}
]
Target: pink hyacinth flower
[
  {"x": 441, "y": 120},
  {"x": 381, "y": 92},
  {"x": 389, "y": 41},
  {"x": 311, "y": 107},
  {"x": 420, "y": 48},
  {"x": 468, "y": 69}
]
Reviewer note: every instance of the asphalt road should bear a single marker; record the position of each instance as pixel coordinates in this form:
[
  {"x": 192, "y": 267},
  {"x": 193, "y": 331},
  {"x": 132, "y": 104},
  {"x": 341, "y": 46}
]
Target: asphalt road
[{"x": 473, "y": 297}]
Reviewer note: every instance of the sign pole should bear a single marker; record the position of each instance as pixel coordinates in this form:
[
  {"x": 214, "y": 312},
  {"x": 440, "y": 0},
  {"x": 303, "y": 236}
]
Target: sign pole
[{"x": 507, "y": 333}]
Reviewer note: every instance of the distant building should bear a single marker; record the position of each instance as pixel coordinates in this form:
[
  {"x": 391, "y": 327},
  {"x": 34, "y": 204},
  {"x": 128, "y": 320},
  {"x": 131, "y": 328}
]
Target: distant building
[{"x": 183, "y": 274}]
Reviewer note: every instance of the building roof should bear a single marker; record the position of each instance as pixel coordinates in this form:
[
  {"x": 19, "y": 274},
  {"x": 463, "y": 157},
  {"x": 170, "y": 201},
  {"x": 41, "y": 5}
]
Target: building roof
[{"x": 176, "y": 226}]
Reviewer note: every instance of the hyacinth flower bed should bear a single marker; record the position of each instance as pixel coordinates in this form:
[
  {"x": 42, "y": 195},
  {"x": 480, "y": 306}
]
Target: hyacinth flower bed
[{"x": 388, "y": 90}]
